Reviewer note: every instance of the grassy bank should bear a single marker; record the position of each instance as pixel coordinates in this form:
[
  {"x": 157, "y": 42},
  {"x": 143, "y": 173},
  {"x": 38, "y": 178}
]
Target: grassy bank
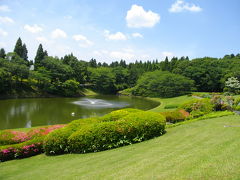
[
  {"x": 200, "y": 150},
  {"x": 167, "y": 102}
]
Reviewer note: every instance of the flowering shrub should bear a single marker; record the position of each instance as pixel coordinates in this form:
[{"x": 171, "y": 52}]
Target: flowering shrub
[
  {"x": 12, "y": 137},
  {"x": 22, "y": 150},
  {"x": 42, "y": 131},
  {"x": 8, "y": 137},
  {"x": 29, "y": 144}
]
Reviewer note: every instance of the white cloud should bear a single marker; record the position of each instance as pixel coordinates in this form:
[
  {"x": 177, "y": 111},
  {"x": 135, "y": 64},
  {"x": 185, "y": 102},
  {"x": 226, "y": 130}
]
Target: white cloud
[
  {"x": 42, "y": 39},
  {"x": 126, "y": 54},
  {"x": 137, "y": 17},
  {"x": 137, "y": 35},
  {"x": 180, "y": 6},
  {"x": 84, "y": 41},
  {"x": 4, "y": 8},
  {"x": 116, "y": 36},
  {"x": 3, "y": 33},
  {"x": 33, "y": 29},
  {"x": 6, "y": 19},
  {"x": 168, "y": 54},
  {"x": 58, "y": 33},
  {"x": 122, "y": 55}
]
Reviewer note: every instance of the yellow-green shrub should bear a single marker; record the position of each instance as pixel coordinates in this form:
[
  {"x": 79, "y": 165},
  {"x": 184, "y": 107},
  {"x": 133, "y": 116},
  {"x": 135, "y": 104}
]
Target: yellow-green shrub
[{"x": 135, "y": 127}]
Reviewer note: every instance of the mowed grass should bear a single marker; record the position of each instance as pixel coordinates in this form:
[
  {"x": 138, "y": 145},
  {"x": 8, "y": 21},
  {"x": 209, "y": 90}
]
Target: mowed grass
[
  {"x": 170, "y": 101},
  {"x": 203, "y": 149}
]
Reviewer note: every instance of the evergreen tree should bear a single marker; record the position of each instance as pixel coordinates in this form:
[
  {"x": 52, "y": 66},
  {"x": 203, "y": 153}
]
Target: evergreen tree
[
  {"x": 46, "y": 53},
  {"x": 2, "y": 53},
  {"x": 39, "y": 56},
  {"x": 19, "y": 47},
  {"x": 24, "y": 52},
  {"x": 93, "y": 63}
]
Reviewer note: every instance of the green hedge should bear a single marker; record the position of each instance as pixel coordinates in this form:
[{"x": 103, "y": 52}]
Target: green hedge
[
  {"x": 115, "y": 129},
  {"x": 135, "y": 127},
  {"x": 56, "y": 142},
  {"x": 118, "y": 114}
]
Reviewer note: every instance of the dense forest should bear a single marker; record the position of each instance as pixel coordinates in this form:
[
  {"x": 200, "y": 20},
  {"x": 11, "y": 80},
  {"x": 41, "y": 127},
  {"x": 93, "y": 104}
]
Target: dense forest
[{"x": 68, "y": 76}]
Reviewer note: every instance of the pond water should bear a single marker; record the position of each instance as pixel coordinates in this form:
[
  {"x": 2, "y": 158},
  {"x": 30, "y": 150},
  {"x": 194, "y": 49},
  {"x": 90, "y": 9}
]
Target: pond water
[{"x": 20, "y": 113}]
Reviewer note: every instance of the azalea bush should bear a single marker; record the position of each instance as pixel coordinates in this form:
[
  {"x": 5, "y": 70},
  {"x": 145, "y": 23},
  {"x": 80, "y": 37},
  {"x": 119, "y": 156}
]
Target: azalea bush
[
  {"x": 18, "y": 144},
  {"x": 22, "y": 150},
  {"x": 12, "y": 137}
]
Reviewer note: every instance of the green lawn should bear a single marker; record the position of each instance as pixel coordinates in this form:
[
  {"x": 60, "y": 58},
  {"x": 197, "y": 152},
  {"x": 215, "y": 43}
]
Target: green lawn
[
  {"x": 199, "y": 150},
  {"x": 170, "y": 101}
]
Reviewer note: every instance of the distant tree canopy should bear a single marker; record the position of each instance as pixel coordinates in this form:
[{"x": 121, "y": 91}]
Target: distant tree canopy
[
  {"x": 68, "y": 75},
  {"x": 163, "y": 84}
]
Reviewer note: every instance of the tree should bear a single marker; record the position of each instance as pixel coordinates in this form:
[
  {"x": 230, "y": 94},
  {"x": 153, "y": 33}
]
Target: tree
[
  {"x": 93, "y": 63},
  {"x": 232, "y": 85},
  {"x": 163, "y": 84},
  {"x": 18, "y": 49},
  {"x": 39, "y": 56},
  {"x": 2, "y": 53},
  {"x": 24, "y": 52},
  {"x": 70, "y": 87},
  {"x": 103, "y": 80}
]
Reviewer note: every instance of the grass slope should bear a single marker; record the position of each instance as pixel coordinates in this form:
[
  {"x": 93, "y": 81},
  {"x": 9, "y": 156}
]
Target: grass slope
[
  {"x": 170, "y": 101},
  {"x": 198, "y": 150}
]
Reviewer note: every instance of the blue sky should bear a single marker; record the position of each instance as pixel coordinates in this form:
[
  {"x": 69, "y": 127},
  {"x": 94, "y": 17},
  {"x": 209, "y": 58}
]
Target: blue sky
[{"x": 110, "y": 30}]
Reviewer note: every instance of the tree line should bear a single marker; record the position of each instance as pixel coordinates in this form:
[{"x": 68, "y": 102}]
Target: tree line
[{"x": 68, "y": 76}]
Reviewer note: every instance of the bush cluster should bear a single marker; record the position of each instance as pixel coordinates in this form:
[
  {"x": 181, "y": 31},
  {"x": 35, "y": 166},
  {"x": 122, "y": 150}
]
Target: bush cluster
[
  {"x": 198, "y": 107},
  {"x": 175, "y": 116},
  {"x": 118, "y": 128},
  {"x": 18, "y": 144},
  {"x": 22, "y": 150}
]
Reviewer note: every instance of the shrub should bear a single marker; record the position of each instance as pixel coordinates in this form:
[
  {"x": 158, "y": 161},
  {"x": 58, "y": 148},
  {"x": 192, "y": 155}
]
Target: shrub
[
  {"x": 22, "y": 150},
  {"x": 56, "y": 142},
  {"x": 236, "y": 104},
  {"x": 118, "y": 114},
  {"x": 175, "y": 116},
  {"x": 135, "y": 127},
  {"x": 42, "y": 131},
  {"x": 12, "y": 137},
  {"x": 199, "y": 107},
  {"x": 8, "y": 137}
]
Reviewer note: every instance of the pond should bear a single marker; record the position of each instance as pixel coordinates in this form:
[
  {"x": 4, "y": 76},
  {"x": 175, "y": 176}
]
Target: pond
[{"x": 22, "y": 113}]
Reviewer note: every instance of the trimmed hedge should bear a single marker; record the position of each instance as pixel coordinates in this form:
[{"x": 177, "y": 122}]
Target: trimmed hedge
[
  {"x": 118, "y": 114},
  {"x": 133, "y": 128},
  {"x": 115, "y": 129},
  {"x": 56, "y": 142}
]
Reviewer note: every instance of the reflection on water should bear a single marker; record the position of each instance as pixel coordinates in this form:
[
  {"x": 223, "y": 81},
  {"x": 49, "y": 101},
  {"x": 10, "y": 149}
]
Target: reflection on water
[{"x": 17, "y": 113}]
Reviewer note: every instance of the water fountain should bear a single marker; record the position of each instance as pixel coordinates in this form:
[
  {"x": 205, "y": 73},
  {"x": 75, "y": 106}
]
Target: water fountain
[{"x": 99, "y": 103}]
